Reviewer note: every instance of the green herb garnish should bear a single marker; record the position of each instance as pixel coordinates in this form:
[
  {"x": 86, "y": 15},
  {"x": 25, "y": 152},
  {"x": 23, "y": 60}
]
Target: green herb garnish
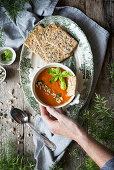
[
  {"x": 56, "y": 72},
  {"x": 7, "y": 55},
  {"x": 99, "y": 120},
  {"x": 11, "y": 160},
  {"x": 14, "y": 7},
  {"x": 54, "y": 79}
]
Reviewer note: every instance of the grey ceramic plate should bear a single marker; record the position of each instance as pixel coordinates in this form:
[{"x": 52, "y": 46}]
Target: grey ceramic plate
[{"x": 81, "y": 63}]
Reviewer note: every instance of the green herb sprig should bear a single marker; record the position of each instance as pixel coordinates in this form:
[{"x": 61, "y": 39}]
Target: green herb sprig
[
  {"x": 14, "y": 7},
  {"x": 99, "y": 118},
  {"x": 6, "y": 55},
  {"x": 57, "y": 74},
  {"x": 9, "y": 160}
]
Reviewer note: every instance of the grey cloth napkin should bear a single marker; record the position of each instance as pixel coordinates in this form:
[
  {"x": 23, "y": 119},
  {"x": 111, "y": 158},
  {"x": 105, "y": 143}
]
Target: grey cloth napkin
[{"x": 16, "y": 32}]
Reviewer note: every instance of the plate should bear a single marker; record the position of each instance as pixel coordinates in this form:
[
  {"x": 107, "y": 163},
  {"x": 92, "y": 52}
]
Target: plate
[{"x": 81, "y": 63}]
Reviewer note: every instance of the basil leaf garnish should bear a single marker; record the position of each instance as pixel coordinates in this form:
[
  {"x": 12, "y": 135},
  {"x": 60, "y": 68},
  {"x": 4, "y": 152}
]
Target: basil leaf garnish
[
  {"x": 51, "y": 71},
  {"x": 62, "y": 83},
  {"x": 66, "y": 74},
  {"x": 54, "y": 79}
]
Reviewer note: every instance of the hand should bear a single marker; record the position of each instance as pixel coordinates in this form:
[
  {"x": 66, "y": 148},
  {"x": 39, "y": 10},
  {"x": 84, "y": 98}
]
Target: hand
[{"x": 58, "y": 123}]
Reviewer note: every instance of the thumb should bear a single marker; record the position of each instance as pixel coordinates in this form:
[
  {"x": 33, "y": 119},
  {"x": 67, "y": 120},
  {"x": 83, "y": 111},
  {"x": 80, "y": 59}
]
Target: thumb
[{"x": 54, "y": 112}]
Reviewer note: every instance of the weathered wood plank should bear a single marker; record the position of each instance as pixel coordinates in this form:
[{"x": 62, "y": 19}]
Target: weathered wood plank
[
  {"x": 28, "y": 132},
  {"x": 95, "y": 10},
  {"x": 102, "y": 13},
  {"x": 80, "y": 4},
  {"x": 5, "y": 125}
]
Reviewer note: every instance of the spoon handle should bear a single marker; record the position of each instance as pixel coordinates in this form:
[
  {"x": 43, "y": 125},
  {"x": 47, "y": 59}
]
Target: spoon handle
[{"x": 47, "y": 142}]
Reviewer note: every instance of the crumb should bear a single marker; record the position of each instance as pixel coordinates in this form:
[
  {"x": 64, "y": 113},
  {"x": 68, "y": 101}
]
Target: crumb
[
  {"x": 12, "y": 129},
  {"x": 11, "y": 107},
  {"x": 9, "y": 102},
  {"x": 1, "y": 114},
  {"x": 11, "y": 91},
  {"x": 1, "y": 103},
  {"x": 19, "y": 135},
  {"x": 28, "y": 135},
  {"x": 5, "y": 115},
  {"x": 13, "y": 97},
  {"x": 11, "y": 120},
  {"x": 19, "y": 85}
]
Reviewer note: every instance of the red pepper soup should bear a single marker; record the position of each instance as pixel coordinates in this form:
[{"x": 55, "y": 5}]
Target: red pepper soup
[{"x": 50, "y": 93}]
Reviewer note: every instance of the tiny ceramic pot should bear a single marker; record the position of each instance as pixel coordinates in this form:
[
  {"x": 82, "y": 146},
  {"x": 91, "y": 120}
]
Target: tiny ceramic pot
[{"x": 2, "y": 50}]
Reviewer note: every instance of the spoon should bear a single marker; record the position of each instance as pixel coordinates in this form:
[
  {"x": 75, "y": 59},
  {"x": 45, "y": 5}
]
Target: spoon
[{"x": 21, "y": 117}]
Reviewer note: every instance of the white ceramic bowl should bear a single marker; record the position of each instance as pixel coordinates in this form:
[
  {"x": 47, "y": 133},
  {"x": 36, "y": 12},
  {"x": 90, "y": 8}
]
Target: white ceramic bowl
[
  {"x": 1, "y": 80},
  {"x": 2, "y": 49},
  {"x": 36, "y": 75}
]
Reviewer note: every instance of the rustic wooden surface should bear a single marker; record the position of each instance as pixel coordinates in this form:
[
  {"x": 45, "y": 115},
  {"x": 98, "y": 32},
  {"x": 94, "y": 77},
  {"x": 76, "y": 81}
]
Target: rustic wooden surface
[{"x": 101, "y": 11}]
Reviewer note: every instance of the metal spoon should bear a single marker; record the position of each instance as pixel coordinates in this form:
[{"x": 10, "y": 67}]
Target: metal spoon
[{"x": 21, "y": 117}]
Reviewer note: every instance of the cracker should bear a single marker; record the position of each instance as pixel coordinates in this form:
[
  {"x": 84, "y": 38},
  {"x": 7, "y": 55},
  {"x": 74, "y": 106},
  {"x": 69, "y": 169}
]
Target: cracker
[
  {"x": 71, "y": 86},
  {"x": 52, "y": 53},
  {"x": 33, "y": 45},
  {"x": 51, "y": 43},
  {"x": 63, "y": 40},
  {"x": 30, "y": 42}
]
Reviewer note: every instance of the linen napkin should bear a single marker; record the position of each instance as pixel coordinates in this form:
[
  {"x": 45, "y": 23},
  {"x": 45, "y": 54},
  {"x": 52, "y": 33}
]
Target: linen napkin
[{"x": 16, "y": 32}]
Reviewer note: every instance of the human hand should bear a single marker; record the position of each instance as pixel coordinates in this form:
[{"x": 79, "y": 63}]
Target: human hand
[{"x": 58, "y": 123}]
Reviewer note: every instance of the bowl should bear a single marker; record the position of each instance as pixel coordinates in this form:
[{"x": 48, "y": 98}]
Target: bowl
[
  {"x": 2, "y": 74},
  {"x": 36, "y": 75},
  {"x": 2, "y": 50}
]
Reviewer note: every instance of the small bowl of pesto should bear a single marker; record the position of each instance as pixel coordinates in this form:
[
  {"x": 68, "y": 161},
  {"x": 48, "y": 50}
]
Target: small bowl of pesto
[
  {"x": 2, "y": 74},
  {"x": 7, "y": 56}
]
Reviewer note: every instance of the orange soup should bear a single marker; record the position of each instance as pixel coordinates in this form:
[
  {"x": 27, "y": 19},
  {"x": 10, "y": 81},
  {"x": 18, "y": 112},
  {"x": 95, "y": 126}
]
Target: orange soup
[{"x": 50, "y": 93}]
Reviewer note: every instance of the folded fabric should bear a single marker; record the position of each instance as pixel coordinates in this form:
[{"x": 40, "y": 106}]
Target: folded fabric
[{"x": 16, "y": 32}]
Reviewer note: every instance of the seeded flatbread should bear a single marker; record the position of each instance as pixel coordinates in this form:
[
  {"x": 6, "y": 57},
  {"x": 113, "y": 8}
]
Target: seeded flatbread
[
  {"x": 57, "y": 37},
  {"x": 52, "y": 53},
  {"x": 51, "y": 43},
  {"x": 63, "y": 40},
  {"x": 33, "y": 45},
  {"x": 71, "y": 86}
]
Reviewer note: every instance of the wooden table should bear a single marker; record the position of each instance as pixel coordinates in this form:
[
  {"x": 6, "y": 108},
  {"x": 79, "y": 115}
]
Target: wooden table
[{"x": 101, "y": 11}]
